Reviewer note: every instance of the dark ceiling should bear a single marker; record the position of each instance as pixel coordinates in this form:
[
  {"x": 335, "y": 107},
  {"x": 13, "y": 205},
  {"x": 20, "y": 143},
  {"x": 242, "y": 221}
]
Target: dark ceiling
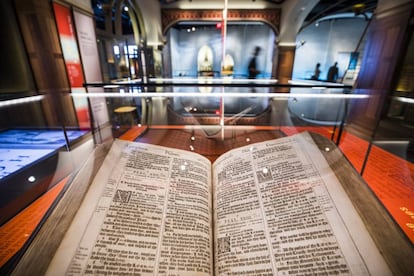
[
  {"x": 332, "y": 7},
  {"x": 322, "y": 9}
]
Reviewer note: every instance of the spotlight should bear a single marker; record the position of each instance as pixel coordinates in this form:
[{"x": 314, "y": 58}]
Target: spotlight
[{"x": 358, "y": 8}]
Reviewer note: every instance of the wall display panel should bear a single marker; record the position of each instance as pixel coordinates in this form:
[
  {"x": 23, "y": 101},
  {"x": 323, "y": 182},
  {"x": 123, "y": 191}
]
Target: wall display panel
[
  {"x": 72, "y": 61},
  {"x": 85, "y": 30},
  {"x": 86, "y": 5},
  {"x": 41, "y": 40}
]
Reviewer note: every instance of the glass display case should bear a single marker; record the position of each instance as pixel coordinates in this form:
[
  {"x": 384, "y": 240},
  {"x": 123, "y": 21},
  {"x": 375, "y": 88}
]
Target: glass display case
[{"x": 208, "y": 116}]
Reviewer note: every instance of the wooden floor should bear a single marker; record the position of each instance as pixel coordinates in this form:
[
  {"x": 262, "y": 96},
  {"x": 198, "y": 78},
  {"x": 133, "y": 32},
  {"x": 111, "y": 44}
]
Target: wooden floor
[{"x": 390, "y": 178}]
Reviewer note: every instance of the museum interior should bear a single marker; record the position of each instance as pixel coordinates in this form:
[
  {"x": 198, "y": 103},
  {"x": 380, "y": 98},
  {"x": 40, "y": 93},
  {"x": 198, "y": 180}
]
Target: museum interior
[{"x": 205, "y": 77}]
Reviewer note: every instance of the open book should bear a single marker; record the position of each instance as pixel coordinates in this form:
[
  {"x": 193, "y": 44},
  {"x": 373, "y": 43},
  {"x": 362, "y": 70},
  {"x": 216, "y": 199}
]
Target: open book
[{"x": 270, "y": 208}]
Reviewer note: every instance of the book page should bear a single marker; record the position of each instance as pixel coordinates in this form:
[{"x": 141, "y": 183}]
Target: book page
[
  {"x": 280, "y": 210},
  {"x": 148, "y": 211}
]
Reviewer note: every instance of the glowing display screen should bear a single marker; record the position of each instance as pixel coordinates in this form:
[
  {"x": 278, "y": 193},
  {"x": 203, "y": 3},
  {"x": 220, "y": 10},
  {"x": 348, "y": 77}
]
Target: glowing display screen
[{"x": 20, "y": 148}]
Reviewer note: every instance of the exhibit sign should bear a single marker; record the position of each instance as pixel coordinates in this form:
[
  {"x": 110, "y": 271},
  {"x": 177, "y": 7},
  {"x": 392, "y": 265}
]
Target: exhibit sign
[
  {"x": 72, "y": 62},
  {"x": 85, "y": 31}
]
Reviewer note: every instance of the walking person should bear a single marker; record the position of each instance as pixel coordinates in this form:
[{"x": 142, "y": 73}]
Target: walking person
[
  {"x": 317, "y": 72},
  {"x": 252, "y": 68},
  {"x": 332, "y": 73}
]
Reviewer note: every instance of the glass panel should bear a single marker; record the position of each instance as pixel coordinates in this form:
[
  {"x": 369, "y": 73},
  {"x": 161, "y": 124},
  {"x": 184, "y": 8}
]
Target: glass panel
[
  {"x": 213, "y": 115},
  {"x": 36, "y": 151},
  {"x": 215, "y": 106},
  {"x": 208, "y": 116}
]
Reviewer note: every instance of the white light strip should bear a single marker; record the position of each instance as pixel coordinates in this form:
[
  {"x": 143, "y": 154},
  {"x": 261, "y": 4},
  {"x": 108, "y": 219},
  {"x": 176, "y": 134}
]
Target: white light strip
[
  {"x": 404, "y": 100},
  {"x": 392, "y": 142},
  {"x": 345, "y": 15},
  {"x": 154, "y": 43},
  {"x": 215, "y": 127},
  {"x": 111, "y": 86},
  {"x": 214, "y": 4},
  {"x": 312, "y": 82},
  {"x": 287, "y": 44},
  {"x": 211, "y": 80},
  {"x": 21, "y": 100},
  {"x": 126, "y": 81},
  {"x": 216, "y": 95}
]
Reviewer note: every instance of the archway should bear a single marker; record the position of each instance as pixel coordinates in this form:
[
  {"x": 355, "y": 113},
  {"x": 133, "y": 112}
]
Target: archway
[{"x": 121, "y": 39}]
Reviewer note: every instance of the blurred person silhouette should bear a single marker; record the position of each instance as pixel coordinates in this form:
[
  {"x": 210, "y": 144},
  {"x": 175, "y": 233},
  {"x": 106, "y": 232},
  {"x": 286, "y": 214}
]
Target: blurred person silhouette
[
  {"x": 332, "y": 73},
  {"x": 317, "y": 72},
  {"x": 252, "y": 68}
]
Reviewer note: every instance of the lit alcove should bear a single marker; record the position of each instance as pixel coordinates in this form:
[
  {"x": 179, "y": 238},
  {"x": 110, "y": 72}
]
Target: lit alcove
[{"x": 205, "y": 61}]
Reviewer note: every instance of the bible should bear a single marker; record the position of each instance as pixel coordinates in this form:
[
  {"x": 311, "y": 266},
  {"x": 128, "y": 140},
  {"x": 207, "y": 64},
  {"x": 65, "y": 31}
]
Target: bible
[{"x": 269, "y": 208}]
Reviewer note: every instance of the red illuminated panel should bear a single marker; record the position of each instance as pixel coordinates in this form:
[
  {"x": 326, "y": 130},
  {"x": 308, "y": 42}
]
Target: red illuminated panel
[{"x": 72, "y": 60}]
